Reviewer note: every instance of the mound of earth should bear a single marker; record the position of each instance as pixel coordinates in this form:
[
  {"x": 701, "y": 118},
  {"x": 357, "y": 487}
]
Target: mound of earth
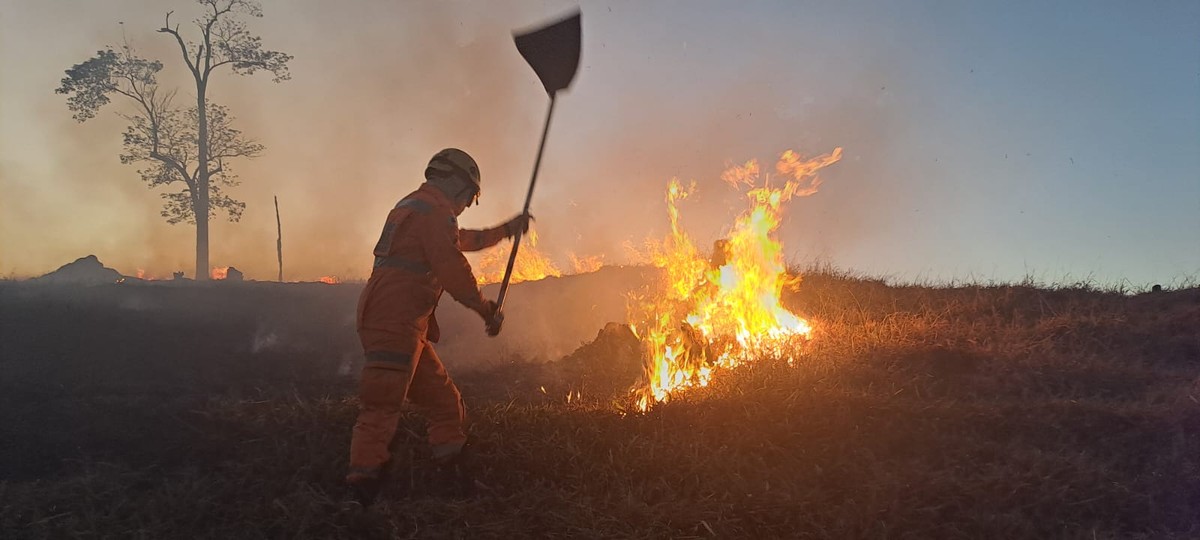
[
  {"x": 545, "y": 320},
  {"x": 85, "y": 270},
  {"x": 605, "y": 367},
  {"x": 609, "y": 365},
  {"x": 616, "y": 348}
]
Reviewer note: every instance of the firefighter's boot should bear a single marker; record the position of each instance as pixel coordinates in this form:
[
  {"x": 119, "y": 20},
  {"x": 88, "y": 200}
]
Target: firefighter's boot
[
  {"x": 365, "y": 487},
  {"x": 454, "y": 476}
]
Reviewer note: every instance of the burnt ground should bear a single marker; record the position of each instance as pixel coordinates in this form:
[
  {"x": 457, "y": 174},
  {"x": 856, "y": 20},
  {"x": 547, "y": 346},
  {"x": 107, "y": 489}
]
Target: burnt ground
[{"x": 224, "y": 410}]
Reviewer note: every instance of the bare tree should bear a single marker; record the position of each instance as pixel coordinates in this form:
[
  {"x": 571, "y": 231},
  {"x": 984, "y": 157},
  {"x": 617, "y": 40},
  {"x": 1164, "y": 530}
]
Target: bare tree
[{"x": 193, "y": 145}]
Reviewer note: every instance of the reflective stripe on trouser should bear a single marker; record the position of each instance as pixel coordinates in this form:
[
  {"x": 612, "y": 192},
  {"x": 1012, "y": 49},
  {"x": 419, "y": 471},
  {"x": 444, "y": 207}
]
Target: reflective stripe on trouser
[{"x": 386, "y": 379}]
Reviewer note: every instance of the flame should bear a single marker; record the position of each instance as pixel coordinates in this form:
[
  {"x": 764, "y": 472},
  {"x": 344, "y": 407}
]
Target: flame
[
  {"x": 331, "y": 280},
  {"x": 723, "y": 311},
  {"x": 142, "y": 274},
  {"x": 532, "y": 264},
  {"x": 586, "y": 265},
  {"x": 219, "y": 272}
]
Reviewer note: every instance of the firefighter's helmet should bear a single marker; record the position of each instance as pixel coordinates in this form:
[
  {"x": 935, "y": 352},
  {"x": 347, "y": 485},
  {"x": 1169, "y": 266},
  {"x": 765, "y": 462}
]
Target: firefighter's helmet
[{"x": 453, "y": 161}]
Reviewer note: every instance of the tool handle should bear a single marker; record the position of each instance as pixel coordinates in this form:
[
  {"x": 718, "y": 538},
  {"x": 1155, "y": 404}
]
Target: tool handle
[{"x": 537, "y": 164}]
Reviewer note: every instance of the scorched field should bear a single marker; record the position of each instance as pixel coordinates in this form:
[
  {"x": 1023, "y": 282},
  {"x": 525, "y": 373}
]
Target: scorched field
[{"x": 223, "y": 410}]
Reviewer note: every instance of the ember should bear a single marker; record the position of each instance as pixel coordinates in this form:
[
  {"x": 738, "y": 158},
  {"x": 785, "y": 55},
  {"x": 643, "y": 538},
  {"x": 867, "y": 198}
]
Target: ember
[{"x": 723, "y": 311}]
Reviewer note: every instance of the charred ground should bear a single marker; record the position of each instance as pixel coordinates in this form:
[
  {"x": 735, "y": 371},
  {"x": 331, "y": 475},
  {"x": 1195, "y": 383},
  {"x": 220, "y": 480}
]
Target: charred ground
[{"x": 223, "y": 411}]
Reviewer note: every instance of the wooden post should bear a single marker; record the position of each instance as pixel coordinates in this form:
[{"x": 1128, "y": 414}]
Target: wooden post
[{"x": 279, "y": 238}]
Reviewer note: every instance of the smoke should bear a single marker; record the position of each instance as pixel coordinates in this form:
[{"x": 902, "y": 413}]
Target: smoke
[
  {"x": 65, "y": 194},
  {"x": 377, "y": 88},
  {"x": 350, "y": 134}
]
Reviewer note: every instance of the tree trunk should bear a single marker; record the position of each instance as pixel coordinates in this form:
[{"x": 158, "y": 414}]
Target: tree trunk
[{"x": 201, "y": 204}]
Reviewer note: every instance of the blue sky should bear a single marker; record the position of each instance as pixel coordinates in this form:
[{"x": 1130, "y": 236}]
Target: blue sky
[{"x": 983, "y": 140}]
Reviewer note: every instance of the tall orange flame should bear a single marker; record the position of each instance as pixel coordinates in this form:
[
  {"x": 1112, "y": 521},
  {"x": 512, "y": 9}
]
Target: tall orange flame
[
  {"x": 723, "y": 311},
  {"x": 219, "y": 272}
]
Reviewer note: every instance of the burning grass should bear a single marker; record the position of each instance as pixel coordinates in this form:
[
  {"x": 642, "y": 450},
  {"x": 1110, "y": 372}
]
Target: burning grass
[
  {"x": 532, "y": 263},
  {"x": 975, "y": 411},
  {"x": 715, "y": 313}
]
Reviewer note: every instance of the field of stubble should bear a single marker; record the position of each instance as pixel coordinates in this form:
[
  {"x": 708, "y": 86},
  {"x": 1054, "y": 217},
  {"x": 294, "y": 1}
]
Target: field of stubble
[{"x": 224, "y": 411}]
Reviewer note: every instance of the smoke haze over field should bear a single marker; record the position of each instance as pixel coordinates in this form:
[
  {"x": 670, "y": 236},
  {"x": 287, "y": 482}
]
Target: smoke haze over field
[{"x": 982, "y": 143}]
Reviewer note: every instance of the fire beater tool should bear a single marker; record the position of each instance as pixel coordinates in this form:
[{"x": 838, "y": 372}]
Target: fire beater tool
[{"x": 553, "y": 53}]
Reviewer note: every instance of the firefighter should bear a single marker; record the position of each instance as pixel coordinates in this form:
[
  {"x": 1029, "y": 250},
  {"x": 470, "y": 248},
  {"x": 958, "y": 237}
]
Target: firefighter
[{"x": 419, "y": 254}]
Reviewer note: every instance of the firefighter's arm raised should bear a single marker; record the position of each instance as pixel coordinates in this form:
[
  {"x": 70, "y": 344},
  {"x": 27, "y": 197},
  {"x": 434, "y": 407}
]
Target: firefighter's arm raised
[{"x": 475, "y": 240}]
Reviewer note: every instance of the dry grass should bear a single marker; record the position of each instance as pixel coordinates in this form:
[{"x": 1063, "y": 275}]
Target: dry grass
[{"x": 917, "y": 412}]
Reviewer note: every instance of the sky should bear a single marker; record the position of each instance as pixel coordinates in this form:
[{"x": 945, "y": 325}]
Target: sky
[{"x": 983, "y": 141}]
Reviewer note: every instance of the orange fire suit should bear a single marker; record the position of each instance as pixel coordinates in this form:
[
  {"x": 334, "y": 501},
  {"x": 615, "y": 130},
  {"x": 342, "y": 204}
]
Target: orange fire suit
[{"x": 418, "y": 255}]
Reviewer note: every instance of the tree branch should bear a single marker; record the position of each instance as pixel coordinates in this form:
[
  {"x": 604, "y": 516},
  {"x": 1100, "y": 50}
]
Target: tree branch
[
  {"x": 129, "y": 95},
  {"x": 217, "y": 13},
  {"x": 174, "y": 164},
  {"x": 166, "y": 29}
]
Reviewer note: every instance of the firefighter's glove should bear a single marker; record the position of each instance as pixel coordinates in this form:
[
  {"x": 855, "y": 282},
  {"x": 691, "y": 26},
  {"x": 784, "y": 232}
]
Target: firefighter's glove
[
  {"x": 493, "y": 325},
  {"x": 519, "y": 224},
  {"x": 492, "y": 318}
]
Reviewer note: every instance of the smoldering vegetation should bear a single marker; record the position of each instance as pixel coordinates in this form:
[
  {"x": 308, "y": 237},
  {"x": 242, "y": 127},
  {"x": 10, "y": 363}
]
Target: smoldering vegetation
[{"x": 1008, "y": 411}]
